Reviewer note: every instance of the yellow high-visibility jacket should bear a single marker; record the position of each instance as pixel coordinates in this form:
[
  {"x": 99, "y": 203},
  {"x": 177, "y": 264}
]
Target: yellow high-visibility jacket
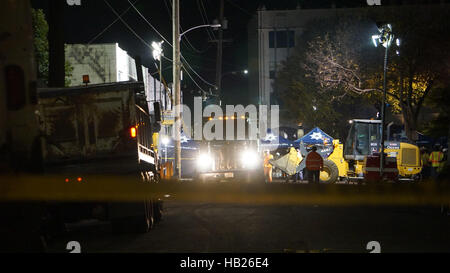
[{"x": 436, "y": 158}]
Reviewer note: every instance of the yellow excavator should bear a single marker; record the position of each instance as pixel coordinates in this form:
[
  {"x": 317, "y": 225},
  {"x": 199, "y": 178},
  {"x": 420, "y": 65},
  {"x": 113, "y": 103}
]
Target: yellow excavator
[{"x": 348, "y": 161}]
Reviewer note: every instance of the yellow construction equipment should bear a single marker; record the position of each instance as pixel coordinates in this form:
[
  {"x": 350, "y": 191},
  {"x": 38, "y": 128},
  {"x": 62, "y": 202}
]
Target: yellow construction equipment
[{"x": 348, "y": 161}]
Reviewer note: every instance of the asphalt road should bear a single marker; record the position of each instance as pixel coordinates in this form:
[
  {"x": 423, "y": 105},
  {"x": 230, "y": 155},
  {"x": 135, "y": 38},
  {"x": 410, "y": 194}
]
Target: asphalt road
[{"x": 203, "y": 227}]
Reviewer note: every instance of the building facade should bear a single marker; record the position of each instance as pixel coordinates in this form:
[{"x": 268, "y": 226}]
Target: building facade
[
  {"x": 107, "y": 63},
  {"x": 273, "y": 34}
]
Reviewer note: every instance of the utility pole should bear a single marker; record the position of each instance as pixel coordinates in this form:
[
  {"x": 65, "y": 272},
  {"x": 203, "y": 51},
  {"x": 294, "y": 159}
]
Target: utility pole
[
  {"x": 220, "y": 52},
  {"x": 383, "y": 113},
  {"x": 177, "y": 85}
]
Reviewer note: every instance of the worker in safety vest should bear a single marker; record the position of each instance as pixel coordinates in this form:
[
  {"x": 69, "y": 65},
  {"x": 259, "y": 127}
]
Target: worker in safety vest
[
  {"x": 435, "y": 159},
  {"x": 267, "y": 166},
  {"x": 314, "y": 164}
]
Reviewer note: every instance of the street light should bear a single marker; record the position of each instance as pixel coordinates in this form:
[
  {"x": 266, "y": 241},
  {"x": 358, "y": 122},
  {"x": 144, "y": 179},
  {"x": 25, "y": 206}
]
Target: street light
[
  {"x": 165, "y": 141},
  {"x": 157, "y": 54},
  {"x": 177, "y": 79},
  {"x": 201, "y": 26},
  {"x": 385, "y": 38}
]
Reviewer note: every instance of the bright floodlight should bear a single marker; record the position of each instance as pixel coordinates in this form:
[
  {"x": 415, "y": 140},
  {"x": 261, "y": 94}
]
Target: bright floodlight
[
  {"x": 397, "y": 42},
  {"x": 375, "y": 40},
  {"x": 246, "y": 71},
  {"x": 157, "y": 50},
  {"x": 385, "y": 37},
  {"x": 165, "y": 140}
]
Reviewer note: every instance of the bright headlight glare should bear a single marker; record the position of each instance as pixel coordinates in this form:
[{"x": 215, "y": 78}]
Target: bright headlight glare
[
  {"x": 204, "y": 161},
  {"x": 250, "y": 159}
]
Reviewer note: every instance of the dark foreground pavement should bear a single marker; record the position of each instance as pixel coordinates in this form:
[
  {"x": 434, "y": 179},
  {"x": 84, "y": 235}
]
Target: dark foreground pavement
[{"x": 207, "y": 227}]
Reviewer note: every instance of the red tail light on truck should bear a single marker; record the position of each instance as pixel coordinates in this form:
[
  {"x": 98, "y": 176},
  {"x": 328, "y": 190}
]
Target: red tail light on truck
[{"x": 133, "y": 132}]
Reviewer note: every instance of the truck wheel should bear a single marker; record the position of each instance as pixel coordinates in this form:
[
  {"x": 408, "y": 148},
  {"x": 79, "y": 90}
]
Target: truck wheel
[
  {"x": 158, "y": 209},
  {"x": 149, "y": 219},
  {"x": 330, "y": 173},
  {"x": 136, "y": 224}
]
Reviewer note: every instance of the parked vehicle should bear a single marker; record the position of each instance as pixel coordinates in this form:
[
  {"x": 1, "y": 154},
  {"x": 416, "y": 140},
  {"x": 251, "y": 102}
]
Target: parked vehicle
[{"x": 104, "y": 130}]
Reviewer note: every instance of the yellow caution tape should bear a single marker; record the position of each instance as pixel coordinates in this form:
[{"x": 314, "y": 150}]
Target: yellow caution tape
[{"x": 119, "y": 188}]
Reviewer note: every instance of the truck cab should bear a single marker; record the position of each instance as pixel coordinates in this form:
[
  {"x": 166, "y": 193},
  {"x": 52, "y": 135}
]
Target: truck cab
[
  {"x": 364, "y": 139},
  {"x": 232, "y": 157}
]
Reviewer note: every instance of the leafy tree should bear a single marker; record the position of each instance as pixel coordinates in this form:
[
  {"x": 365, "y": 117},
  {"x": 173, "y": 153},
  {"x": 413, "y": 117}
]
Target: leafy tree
[
  {"x": 341, "y": 61},
  {"x": 440, "y": 101},
  {"x": 41, "y": 47},
  {"x": 305, "y": 99},
  {"x": 40, "y": 29}
]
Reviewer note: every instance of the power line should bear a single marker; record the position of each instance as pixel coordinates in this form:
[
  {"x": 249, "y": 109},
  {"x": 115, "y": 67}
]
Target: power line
[
  {"x": 125, "y": 23},
  {"x": 109, "y": 26},
  {"x": 190, "y": 67},
  {"x": 187, "y": 72},
  {"x": 206, "y": 17},
  {"x": 186, "y": 42},
  {"x": 130, "y": 28},
  {"x": 143, "y": 41},
  {"x": 205, "y": 21},
  {"x": 239, "y": 7},
  {"x": 145, "y": 19},
  {"x": 182, "y": 57}
]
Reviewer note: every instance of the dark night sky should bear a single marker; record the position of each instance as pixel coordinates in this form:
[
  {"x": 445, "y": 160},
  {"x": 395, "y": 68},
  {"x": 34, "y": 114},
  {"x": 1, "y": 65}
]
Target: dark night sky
[{"x": 85, "y": 22}]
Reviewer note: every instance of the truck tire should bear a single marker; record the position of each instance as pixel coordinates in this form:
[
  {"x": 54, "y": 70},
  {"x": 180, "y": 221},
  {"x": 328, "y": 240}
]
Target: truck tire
[
  {"x": 158, "y": 209},
  {"x": 136, "y": 224},
  {"x": 330, "y": 173}
]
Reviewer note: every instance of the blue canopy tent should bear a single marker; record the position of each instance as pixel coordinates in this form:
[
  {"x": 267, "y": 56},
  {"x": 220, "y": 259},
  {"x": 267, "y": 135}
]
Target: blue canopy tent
[
  {"x": 315, "y": 137},
  {"x": 275, "y": 141},
  {"x": 319, "y": 138}
]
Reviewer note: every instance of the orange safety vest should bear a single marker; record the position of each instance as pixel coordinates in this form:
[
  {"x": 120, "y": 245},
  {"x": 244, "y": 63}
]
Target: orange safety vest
[
  {"x": 436, "y": 158},
  {"x": 314, "y": 161},
  {"x": 266, "y": 161}
]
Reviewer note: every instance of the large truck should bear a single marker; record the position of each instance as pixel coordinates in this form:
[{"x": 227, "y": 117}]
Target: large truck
[
  {"x": 19, "y": 131},
  {"x": 233, "y": 159},
  {"x": 107, "y": 130}
]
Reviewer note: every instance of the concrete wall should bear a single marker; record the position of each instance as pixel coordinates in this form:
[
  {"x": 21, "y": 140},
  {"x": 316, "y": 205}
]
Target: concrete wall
[
  {"x": 266, "y": 61},
  {"x": 99, "y": 61},
  {"x": 104, "y": 63}
]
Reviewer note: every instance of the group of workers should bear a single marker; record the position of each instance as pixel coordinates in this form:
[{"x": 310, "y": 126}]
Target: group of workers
[
  {"x": 314, "y": 164},
  {"x": 433, "y": 163}
]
